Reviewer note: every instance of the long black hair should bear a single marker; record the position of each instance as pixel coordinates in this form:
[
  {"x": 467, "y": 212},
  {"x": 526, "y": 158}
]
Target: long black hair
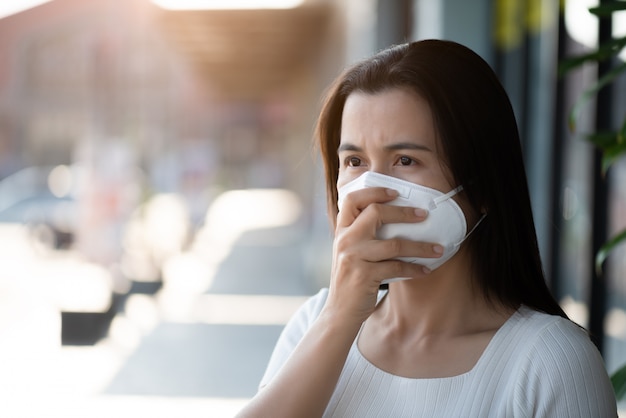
[{"x": 479, "y": 139}]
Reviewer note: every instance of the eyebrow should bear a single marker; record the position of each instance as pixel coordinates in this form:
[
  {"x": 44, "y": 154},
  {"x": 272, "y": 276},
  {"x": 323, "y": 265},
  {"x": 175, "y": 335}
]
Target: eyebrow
[{"x": 391, "y": 147}]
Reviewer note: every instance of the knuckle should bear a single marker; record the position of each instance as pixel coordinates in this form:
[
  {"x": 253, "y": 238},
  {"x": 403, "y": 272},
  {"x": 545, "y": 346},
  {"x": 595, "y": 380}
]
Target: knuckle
[
  {"x": 411, "y": 214},
  {"x": 349, "y": 199},
  {"x": 344, "y": 242},
  {"x": 376, "y": 209},
  {"x": 398, "y": 268},
  {"x": 394, "y": 247},
  {"x": 347, "y": 256}
]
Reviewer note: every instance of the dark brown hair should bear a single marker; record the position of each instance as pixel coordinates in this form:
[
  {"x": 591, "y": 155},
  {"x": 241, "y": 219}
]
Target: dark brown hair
[{"x": 479, "y": 139}]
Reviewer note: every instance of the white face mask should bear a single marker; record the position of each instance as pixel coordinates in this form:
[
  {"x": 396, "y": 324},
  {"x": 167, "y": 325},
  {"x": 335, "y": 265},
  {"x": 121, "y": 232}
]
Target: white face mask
[{"x": 444, "y": 225}]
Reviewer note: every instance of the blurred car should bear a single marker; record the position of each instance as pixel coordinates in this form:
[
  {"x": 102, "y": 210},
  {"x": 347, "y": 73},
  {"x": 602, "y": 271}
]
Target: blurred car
[
  {"x": 39, "y": 210},
  {"x": 44, "y": 199}
]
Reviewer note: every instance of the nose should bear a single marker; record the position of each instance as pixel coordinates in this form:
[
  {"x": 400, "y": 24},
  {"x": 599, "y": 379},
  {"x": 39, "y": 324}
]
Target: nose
[{"x": 380, "y": 168}]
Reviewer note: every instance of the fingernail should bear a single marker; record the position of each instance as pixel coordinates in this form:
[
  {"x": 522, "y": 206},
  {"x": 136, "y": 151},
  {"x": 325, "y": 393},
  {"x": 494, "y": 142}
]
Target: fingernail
[
  {"x": 421, "y": 212},
  {"x": 437, "y": 249},
  {"x": 425, "y": 269},
  {"x": 392, "y": 192}
]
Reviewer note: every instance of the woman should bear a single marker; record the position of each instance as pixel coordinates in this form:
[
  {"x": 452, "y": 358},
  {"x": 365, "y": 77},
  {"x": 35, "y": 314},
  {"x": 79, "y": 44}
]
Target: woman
[{"x": 478, "y": 335}]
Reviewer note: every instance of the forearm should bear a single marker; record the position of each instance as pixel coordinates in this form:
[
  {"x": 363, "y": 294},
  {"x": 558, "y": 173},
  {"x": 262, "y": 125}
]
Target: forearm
[{"x": 306, "y": 382}]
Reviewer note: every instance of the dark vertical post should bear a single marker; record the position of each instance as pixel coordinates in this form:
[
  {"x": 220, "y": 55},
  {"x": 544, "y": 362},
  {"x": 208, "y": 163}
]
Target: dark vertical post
[
  {"x": 600, "y": 197},
  {"x": 556, "y": 177}
]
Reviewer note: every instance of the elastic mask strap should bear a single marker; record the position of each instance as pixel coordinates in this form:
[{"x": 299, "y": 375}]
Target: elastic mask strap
[
  {"x": 435, "y": 202},
  {"x": 477, "y": 223},
  {"x": 473, "y": 228}
]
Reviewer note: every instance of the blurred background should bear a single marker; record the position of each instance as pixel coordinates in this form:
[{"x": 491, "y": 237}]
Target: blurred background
[{"x": 162, "y": 208}]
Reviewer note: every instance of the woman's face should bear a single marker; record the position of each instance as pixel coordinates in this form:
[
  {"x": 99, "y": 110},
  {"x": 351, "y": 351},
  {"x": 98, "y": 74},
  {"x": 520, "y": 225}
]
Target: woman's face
[{"x": 392, "y": 133}]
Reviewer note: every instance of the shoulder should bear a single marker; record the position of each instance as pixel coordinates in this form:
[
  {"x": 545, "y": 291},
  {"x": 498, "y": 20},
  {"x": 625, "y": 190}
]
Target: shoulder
[
  {"x": 551, "y": 335},
  {"x": 555, "y": 341},
  {"x": 560, "y": 371}
]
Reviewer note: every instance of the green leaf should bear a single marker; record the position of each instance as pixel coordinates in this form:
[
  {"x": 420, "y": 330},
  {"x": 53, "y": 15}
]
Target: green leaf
[
  {"x": 612, "y": 145},
  {"x": 607, "y": 9},
  {"x": 603, "y": 140},
  {"x": 605, "y": 51},
  {"x": 593, "y": 90},
  {"x": 618, "y": 380},
  {"x": 612, "y": 154},
  {"x": 604, "y": 251},
  {"x": 621, "y": 135}
]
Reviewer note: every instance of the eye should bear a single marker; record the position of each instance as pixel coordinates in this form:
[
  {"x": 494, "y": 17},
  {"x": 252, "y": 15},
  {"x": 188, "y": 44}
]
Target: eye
[
  {"x": 404, "y": 160},
  {"x": 353, "y": 161}
]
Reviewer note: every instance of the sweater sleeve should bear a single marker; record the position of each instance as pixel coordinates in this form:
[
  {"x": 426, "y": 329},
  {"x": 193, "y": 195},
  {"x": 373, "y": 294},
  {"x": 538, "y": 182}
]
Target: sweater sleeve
[
  {"x": 293, "y": 332},
  {"x": 563, "y": 375}
]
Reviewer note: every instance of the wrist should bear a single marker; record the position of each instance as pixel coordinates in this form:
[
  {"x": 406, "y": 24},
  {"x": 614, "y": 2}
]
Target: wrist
[{"x": 340, "y": 323}]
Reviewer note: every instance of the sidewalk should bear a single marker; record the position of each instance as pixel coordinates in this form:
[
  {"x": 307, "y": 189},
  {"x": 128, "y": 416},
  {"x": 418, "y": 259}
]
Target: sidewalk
[
  {"x": 225, "y": 356},
  {"x": 206, "y": 362}
]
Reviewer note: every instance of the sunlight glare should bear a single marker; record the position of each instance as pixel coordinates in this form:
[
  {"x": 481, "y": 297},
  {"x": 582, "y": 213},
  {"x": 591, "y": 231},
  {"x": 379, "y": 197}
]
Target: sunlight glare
[
  {"x": 8, "y": 8},
  {"x": 237, "y": 211},
  {"x": 615, "y": 324},
  {"x": 227, "y": 4},
  {"x": 576, "y": 310},
  {"x": 582, "y": 26},
  {"x": 60, "y": 181},
  {"x": 246, "y": 309}
]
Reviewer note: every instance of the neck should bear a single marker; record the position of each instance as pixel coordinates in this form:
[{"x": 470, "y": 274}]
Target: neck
[{"x": 445, "y": 301}]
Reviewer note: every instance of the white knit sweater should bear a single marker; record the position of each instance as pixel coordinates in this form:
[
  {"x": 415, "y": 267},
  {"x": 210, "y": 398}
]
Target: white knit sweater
[{"x": 536, "y": 365}]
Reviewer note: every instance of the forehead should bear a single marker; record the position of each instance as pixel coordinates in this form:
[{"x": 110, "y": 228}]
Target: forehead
[{"x": 397, "y": 113}]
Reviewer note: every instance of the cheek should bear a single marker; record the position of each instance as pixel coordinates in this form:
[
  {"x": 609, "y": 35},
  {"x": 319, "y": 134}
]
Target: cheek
[
  {"x": 342, "y": 179},
  {"x": 471, "y": 217},
  {"x": 345, "y": 176}
]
